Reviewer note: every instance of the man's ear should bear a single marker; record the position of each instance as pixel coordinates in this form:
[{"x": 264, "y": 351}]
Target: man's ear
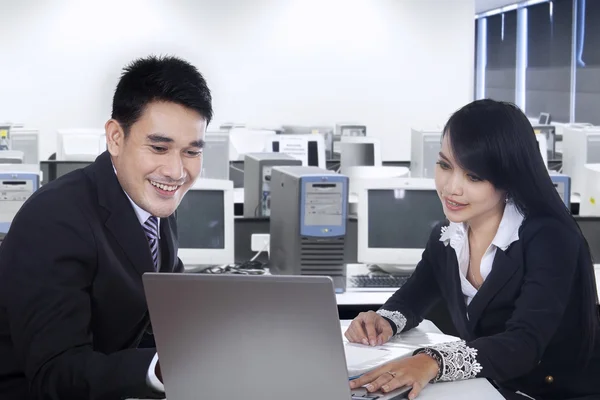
[{"x": 115, "y": 137}]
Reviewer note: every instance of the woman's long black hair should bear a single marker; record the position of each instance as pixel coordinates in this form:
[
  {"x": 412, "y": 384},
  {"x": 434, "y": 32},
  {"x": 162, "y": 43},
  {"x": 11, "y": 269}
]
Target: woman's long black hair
[{"x": 496, "y": 141}]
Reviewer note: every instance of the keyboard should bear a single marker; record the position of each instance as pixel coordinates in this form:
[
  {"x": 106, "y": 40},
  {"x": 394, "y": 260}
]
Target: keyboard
[
  {"x": 378, "y": 281},
  {"x": 370, "y": 396}
]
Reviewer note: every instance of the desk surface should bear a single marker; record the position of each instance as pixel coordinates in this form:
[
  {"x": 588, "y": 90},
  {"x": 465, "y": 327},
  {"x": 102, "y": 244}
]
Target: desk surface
[{"x": 379, "y": 297}]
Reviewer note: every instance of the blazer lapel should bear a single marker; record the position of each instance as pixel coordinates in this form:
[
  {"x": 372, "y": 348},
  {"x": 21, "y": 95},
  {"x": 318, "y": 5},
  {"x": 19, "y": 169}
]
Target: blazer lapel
[
  {"x": 121, "y": 220},
  {"x": 453, "y": 281},
  {"x": 503, "y": 268},
  {"x": 168, "y": 248}
]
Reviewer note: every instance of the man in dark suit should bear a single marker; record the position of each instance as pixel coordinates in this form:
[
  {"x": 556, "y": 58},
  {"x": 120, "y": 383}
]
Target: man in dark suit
[{"x": 72, "y": 304}]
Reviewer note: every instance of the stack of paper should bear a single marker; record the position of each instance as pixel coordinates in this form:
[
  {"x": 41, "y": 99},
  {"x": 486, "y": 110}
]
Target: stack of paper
[{"x": 361, "y": 359}]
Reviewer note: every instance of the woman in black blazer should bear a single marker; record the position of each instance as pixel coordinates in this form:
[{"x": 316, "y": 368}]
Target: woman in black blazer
[{"x": 511, "y": 264}]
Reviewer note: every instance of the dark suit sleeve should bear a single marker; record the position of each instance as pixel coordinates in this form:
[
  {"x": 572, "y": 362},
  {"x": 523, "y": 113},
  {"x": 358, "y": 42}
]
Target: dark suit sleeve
[
  {"x": 406, "y": 308},
  {"x": 551, "y": 259},
  {"x": 47, "y": 266},
  {"x": 179, "y": 267}
]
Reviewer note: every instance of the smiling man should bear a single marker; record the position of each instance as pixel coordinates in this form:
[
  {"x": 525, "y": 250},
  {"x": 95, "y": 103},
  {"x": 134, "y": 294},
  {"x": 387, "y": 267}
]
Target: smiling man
[{"x": 72, "y": 304}]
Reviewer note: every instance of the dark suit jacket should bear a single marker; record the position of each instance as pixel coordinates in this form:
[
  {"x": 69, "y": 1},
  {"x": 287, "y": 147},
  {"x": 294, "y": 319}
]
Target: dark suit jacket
[
  {"x": 72, "y": 304},
  {"x": 525, "y": 319}
]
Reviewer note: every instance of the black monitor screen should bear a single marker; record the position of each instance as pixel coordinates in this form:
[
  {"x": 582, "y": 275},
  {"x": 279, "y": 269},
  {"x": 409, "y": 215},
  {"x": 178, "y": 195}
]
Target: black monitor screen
[
  {"x": 402, "y": 219},
  {"x": 201, "y": 220}
]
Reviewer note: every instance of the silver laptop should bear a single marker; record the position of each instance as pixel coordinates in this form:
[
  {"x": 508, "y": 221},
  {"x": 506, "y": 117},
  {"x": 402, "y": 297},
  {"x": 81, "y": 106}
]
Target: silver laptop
[{"x": 249, "y": 337}]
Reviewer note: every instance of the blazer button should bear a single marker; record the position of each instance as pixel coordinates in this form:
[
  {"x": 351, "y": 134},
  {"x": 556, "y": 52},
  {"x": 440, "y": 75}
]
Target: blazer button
[{"x": 549, "y": 379}]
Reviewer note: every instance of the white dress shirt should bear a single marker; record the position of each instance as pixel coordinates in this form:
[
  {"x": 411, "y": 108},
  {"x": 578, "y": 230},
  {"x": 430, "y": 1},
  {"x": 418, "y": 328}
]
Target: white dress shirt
[
  {"x": 456, "y": 234},
  {"x": 143, "y": 215}
]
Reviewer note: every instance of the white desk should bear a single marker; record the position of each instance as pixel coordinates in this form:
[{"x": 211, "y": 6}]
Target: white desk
[{"x": 475, "y": 389}]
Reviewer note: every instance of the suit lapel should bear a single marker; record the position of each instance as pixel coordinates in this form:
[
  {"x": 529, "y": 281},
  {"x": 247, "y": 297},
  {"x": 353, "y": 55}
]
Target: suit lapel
[
  {"x": 120, "y": 218},
  {"x": 169, "y": 252},
  {"x": 453, "y": 280},
  {"x": 503, "y": 268}
]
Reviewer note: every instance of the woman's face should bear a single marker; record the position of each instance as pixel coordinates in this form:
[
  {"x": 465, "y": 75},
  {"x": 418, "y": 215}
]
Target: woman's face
[{"x": 465, "y": 197}]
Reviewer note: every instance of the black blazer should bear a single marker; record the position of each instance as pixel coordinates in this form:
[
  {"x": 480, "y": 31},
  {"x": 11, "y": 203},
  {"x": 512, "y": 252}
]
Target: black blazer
[
  {"x": 524, "y": 321},
  {"x": 72, "y": 304}
]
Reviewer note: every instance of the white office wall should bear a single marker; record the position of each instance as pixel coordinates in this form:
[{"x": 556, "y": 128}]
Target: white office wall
[{"x": 390, "y": 64}]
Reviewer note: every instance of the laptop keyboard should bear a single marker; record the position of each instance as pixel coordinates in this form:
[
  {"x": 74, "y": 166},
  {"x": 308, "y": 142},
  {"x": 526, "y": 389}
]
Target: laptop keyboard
[{"x": 367, "y": 396}]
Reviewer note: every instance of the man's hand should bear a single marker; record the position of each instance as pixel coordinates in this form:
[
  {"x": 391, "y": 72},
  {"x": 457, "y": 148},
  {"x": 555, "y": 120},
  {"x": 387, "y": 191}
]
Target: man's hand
[
  {"x": 369, "y": 328},
  {"x": 416, "y": 371}
]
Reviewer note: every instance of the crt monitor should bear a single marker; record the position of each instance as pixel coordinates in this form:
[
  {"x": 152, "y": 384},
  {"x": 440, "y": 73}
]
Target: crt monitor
[
  {"x": 52, "y": 169},
  {"x": 243, "y": 141},
  {"x": 356, "y": 151},
  {"x": 395, "y": 220},
  {"x": 80, "y": 144},
  {"x": 544, "y": 119},
  {"x": 205, "y": 224},
  {"x": 308, "y": 148}
]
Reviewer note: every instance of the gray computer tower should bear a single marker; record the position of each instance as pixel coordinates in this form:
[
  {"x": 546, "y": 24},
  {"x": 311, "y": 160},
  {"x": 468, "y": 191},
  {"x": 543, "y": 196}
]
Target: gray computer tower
[
  {"x": 257, "y": 181},
  {"x": 215, "y": 156},
  {"x": 27, "y": 141},
  {"x": 309, "y": 209},
  {"x": 425, "y": 147}
]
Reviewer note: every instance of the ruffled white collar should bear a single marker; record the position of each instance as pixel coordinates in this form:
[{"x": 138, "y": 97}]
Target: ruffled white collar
[{"x": 507, "y": 233}]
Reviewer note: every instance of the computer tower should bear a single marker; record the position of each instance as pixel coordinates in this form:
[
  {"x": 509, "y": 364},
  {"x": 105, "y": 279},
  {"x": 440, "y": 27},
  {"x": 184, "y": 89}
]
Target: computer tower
[
  {"x": 215, "y": 156},
  {"x": 17, "y": 184},
  {"x": 27, "y": 141},
  {"x": 257, "y": 181},
  {"x": 424, "y": 150},
  {"x": 309, "y": 208},
  {"x": 562, "y": 183}
]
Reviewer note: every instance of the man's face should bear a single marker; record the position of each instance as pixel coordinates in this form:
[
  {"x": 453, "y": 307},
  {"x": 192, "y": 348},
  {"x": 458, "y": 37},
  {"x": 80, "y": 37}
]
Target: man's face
[{"x": 160, "y": 158}]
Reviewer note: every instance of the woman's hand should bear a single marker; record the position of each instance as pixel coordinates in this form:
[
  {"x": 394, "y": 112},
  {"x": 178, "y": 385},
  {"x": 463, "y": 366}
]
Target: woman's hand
[
  {"x": 416, "y": 371},
  {"x": 369, "y": 328}
]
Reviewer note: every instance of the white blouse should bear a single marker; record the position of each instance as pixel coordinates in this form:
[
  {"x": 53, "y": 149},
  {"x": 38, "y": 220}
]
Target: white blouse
[{"x": 456, "y": 234}]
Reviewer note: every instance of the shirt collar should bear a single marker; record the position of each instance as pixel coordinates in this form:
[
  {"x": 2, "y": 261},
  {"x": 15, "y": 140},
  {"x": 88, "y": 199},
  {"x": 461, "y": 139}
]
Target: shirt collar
[
  {"x": 507, "y": 233},
  {"x": 142, "y": 215}
]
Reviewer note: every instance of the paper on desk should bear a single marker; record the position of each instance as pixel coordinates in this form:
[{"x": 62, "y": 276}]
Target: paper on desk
[{"x": 361, "y": 359}]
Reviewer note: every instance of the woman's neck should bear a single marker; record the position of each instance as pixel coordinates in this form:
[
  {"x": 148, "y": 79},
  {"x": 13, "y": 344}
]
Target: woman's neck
[{"x": 482, "y": 229}]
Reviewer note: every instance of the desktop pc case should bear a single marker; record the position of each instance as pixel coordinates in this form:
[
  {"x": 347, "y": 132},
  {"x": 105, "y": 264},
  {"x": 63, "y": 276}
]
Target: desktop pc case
[
  {"x": 424, "y": 148},
  {"x": 215, "y": 156},
  {"x": 309, "y": 208},
  {"x": 257, "y": 181},
  {"x": 17, "y": 184}
]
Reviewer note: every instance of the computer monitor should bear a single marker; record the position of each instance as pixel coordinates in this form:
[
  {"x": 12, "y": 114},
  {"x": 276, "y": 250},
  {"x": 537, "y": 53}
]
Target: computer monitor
[
  {"x": 544, "y": 119},
  {"x": 11, "y": 157},
  {"x": 395, "y": 220},
  {"x": 243, "y": 141},
  {"x": 27, "y": 141},
  {"x": 581, "y": 145},
  {"x": 205, "y": 224},
  {"x": 326, "y": 131},
  {"x": 589, "y": 205},
  {"x": 52, "y": 169},
  {"x": 425, "y": 147},
  {"x": 310, "y": 149},
  {"x": 356, "y": 151},
  {"x": 80, "y": 144},
  {"x": 215, "y": 156}
]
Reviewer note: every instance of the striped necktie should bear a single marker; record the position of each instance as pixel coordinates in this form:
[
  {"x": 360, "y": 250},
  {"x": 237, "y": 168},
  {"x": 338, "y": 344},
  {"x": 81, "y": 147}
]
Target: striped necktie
[{"x": 151, "y": 230}]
